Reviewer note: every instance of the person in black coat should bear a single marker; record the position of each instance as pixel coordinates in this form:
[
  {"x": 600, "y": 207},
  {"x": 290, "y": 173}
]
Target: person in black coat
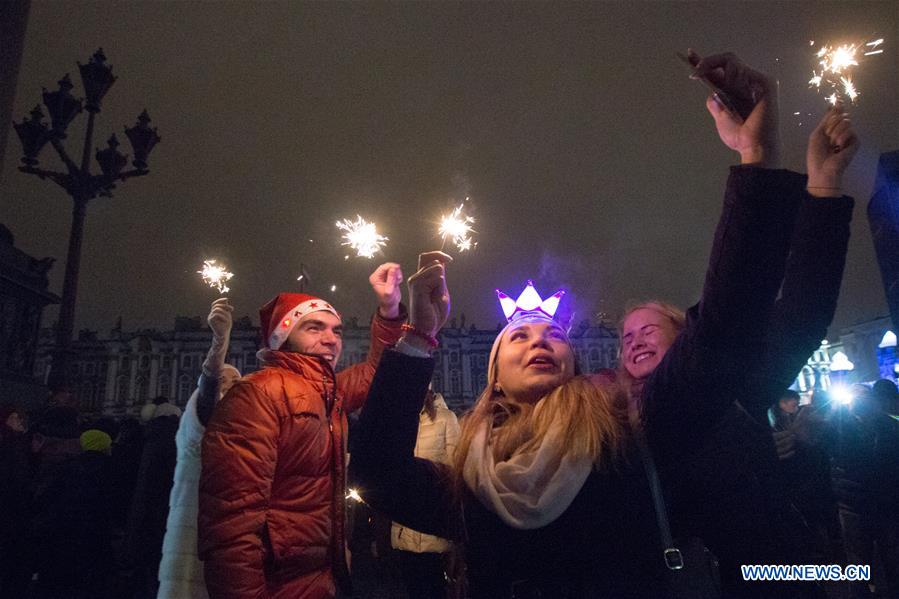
[
  {"x": 597, "y": 536},
  {"x": 15, "y": 574},
  {"x": 145, "y": 528}
]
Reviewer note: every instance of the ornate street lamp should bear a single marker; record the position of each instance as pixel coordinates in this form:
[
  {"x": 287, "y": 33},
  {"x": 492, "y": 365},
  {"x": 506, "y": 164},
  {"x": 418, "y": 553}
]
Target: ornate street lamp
[{"x": 78, "y": 181}]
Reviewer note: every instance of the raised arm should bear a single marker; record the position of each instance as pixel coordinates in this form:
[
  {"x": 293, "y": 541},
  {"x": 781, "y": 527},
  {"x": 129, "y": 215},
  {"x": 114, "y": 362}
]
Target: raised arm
[
  {"x": 409, "y": 490},
  {"x": 814, "y": 268},
  {"x": 385, "y": 332},
  {"x": 695, "y": 382},
  {"x": 220, "y": 320}
]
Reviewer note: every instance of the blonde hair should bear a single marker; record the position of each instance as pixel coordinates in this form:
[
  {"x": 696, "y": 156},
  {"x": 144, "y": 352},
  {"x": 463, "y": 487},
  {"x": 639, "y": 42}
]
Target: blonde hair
[
  {"x": 674, "y": 314},
  {"x": 590, "y": 417},
  {"x": 677, "y": 316}
]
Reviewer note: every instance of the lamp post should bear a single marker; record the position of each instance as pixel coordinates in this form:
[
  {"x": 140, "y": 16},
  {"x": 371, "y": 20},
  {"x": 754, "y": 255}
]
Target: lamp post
[{"x": 77, "y": 180}]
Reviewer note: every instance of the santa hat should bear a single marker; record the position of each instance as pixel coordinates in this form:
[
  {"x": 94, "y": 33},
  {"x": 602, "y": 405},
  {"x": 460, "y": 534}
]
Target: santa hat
[{"x": 279, "y": 316}]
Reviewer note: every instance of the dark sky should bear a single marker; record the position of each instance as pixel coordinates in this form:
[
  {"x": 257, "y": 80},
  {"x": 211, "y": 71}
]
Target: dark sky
[{"x": 587, "y": 152}]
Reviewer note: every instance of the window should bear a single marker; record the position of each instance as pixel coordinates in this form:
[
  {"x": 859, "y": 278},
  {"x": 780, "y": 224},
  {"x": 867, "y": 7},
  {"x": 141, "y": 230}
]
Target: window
[
  {"x": 90, "y": 368},
  {"x": 165, "y": 386},
  {"x": 437, "y": 383},
  {"x": 144, "y": 362},
  {"x": 249, "y": 359},
  {"x": 86, "y": 395},
  {"x": 187, "y": 361},
  {"x": 185, "y": 386},
  {"x": 594, "y": 355},
  {"x": 143, "y": 389},
  {"x": 455, "y": 382},
  {"x": 121, "y": 393},
  {"x": 482, "y": 382},
  {"x": 454, "y": 357},
  {"x": 166, "y": 362}
]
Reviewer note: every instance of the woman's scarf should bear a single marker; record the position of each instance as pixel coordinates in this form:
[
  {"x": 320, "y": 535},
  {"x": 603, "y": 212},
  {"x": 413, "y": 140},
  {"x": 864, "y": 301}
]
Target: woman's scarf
[{"x": 530, "y": 489}]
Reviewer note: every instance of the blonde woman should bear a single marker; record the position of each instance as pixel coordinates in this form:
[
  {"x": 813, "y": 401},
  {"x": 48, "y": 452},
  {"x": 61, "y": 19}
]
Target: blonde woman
[{"x": 546, "y": 492}]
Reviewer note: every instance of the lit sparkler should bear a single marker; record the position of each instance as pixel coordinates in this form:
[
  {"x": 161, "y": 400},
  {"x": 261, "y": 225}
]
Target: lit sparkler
[
  {"x": 215, "y": 275},
  {"x": 362, "y": 236},
  {"x": 457, "y": 226},
  {"x": 837, "y": 64},
  {"x": 354, "y": 495}
]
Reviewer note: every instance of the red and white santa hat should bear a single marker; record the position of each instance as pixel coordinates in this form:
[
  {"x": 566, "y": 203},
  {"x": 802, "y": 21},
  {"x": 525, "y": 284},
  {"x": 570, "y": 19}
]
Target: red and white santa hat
[{"x": 279, "y": 316}]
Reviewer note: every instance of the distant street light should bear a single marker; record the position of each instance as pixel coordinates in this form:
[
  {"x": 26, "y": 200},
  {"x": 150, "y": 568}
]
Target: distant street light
[{"x": 77, "y": 181}]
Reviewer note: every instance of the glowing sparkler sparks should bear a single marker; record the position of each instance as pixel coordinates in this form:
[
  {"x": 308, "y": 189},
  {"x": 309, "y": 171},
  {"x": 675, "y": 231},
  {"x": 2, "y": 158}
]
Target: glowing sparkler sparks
[
  {"x": 849, "y": 88},
  {"x": 354, "y": 495},
  {"x": 362, "y": 236},
  {"x": 457, "y": 226},
  {"x": 215, "y": 275},
  {"x": 837, "y": 64}
]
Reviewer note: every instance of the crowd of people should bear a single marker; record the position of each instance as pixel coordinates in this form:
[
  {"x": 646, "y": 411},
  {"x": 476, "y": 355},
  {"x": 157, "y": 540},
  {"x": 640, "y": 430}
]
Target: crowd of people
[{"x": 659, "y": 479}]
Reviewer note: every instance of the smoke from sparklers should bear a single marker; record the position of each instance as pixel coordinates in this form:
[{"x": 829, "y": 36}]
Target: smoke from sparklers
[
  {"x": 215, "y": 275},
  {"x": 836, "y": 66},
  {"x": 361, "y": 236},
  {"x": 457, "y": 226}
]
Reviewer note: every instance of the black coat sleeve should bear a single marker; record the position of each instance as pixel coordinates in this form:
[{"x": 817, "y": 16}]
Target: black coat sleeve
[
  {"x": 700, "y": 374},
  {"x": 808, "y": 299},
  {"x": 412, "y": 491}
]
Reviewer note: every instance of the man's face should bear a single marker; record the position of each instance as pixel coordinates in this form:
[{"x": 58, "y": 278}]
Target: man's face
[
  {"x": 319, "y": 334},
  {"x": 16, "y": 422},
  {"x": 645, "y": 339}
]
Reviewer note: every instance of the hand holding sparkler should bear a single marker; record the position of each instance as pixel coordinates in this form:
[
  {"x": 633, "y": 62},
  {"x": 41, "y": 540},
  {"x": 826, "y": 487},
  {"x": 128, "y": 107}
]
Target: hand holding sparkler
[
  {"x": 220, "y": 318},
  {"x": 215, "y": 275},
  {"x": 429, "y": 299},
  {"x": 831, "y": 147},
  {"x": 754, "y": 131},
  {"x": 385, "y": 282}
]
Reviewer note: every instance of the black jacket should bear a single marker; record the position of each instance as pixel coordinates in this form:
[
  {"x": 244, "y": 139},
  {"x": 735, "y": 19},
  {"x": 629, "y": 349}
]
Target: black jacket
[{"x": 606, "y": 543}]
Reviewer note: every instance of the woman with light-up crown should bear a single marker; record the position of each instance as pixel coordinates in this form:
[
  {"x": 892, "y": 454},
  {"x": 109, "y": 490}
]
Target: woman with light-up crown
[{"x": 550, "y": 492}]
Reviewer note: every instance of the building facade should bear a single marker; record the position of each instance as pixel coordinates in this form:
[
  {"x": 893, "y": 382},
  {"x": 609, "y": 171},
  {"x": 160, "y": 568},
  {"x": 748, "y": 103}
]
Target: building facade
[
  {"x": 116, "y": 374},
  {"x": 23, "y": 296}
]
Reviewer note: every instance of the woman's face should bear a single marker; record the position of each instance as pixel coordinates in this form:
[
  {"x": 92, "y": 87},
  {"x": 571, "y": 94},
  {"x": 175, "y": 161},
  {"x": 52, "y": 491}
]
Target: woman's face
[
  {"x": 533, "y": 359},
  {"x": 645, "y": 338}
]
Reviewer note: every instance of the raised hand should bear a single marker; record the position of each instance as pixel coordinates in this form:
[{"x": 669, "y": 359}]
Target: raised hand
[
  {"x": 755, "y": 134},
  {"x": 429, "y": 299},
  {"x": 220, "y": 318},
  {"x": 831, "y": 147},
  {"x": 385, "y": 282}
]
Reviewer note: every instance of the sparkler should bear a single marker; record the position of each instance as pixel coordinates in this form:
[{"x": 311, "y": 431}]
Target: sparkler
[
  {"x": 362, "y": 236},
  {"x": 837, "y": 64},
  {"x": 215, "y": 275},
  {"x": 354, "y": 495},
  {"x": 457, "y": 226}
]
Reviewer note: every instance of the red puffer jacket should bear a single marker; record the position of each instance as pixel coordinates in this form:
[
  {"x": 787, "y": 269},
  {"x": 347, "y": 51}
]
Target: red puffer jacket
[{"x": 272, "y": 489}]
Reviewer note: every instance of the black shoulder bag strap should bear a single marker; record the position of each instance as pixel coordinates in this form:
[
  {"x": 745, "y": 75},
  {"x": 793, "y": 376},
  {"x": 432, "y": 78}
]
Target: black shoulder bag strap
[{"x": 674, "y": 560}]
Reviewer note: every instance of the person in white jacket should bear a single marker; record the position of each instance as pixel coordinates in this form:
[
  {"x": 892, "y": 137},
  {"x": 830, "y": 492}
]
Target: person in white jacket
[
  {"x": 421, "y": 555},
  {"x": 180, "y": 571}
]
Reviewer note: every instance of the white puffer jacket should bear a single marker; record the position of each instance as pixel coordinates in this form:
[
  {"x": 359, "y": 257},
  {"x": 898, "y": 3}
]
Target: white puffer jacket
[
  {"x": 437, "y": 440},
  {"x": 180, "y": 571}
]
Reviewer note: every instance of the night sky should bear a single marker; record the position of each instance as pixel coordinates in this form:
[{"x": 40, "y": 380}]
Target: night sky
[{"x": 587, "y": 152}]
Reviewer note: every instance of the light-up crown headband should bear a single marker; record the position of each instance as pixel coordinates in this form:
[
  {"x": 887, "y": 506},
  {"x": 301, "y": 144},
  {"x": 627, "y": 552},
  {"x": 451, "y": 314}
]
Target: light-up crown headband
[{"x": 529, "y": 303}]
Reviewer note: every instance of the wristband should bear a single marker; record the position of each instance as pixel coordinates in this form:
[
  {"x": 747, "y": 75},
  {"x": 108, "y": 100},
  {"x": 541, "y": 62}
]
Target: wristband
[
  {"x": 403, "y": 347},
  {"x": 431, "y": 341}
]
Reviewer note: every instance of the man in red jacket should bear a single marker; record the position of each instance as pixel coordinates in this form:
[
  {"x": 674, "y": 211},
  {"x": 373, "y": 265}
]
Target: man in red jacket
[{"x": 272, "y": 489}]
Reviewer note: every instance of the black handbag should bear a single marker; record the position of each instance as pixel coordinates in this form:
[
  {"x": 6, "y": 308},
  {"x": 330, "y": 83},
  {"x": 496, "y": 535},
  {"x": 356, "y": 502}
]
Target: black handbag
[{"x": 691, "y": 569}]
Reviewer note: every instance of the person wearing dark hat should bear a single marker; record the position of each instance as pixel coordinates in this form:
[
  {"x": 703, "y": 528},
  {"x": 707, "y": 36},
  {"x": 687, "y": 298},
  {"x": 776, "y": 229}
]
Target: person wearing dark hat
[{"x": 272, "y": 488}]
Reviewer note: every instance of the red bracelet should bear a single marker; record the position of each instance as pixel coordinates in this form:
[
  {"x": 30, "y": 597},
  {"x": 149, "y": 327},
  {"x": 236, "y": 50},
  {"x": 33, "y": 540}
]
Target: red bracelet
[{"x": 432, "y": 341}]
